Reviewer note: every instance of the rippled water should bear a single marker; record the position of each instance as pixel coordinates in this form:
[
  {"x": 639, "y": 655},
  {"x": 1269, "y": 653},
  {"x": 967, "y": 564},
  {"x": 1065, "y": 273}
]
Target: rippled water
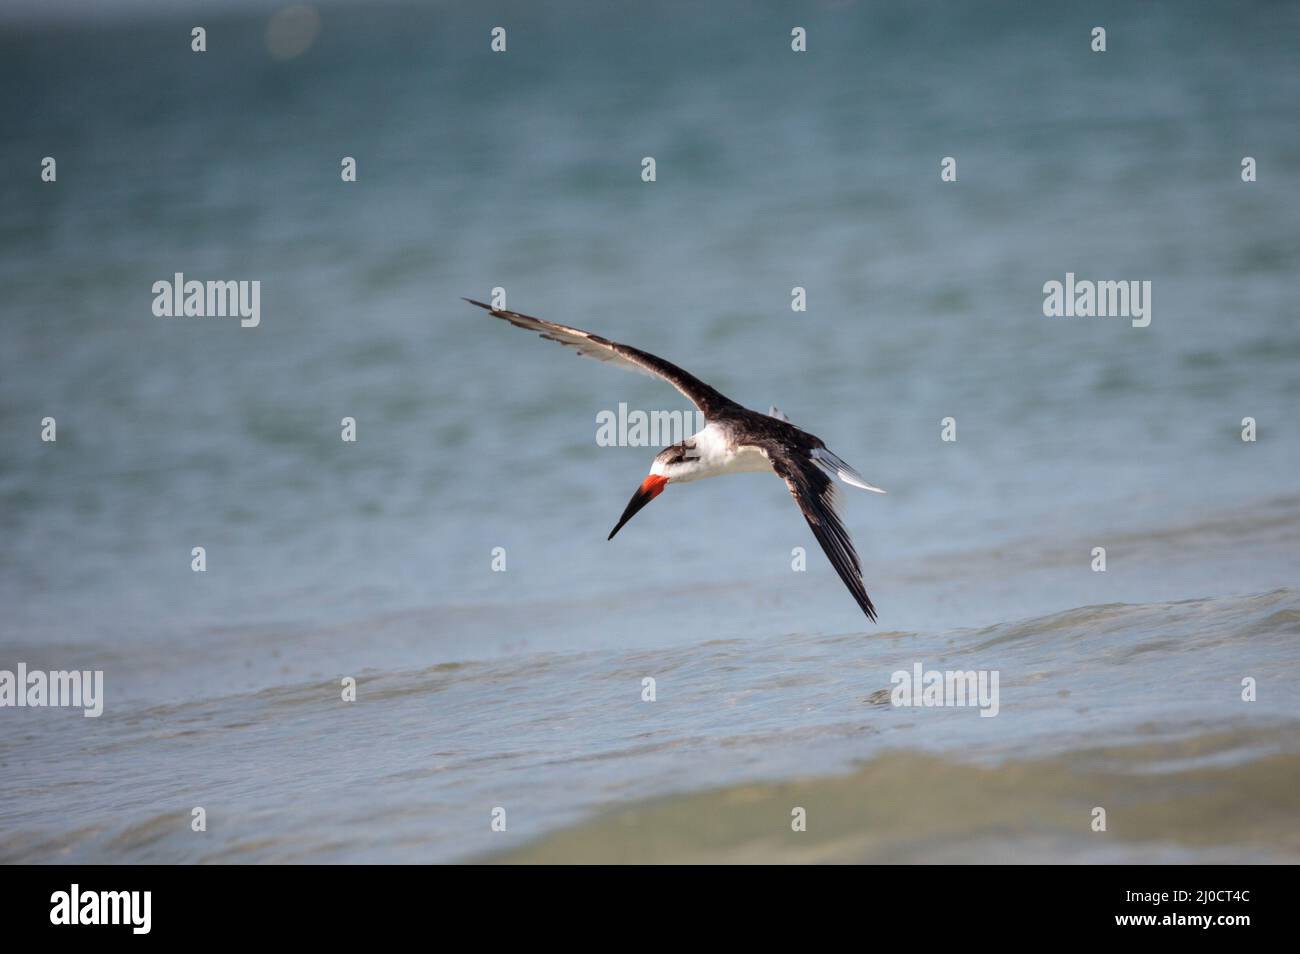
[{"x": 522, "y": 689}]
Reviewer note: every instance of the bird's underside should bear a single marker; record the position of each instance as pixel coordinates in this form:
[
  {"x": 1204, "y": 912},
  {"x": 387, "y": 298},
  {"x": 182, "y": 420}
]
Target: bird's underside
[{"x": 731, "y": 442}]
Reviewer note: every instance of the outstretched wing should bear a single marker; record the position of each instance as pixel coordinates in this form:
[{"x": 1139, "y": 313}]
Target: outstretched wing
[
  {"x": 814, "y": 492},
  {"x": 625, "y": 356}
]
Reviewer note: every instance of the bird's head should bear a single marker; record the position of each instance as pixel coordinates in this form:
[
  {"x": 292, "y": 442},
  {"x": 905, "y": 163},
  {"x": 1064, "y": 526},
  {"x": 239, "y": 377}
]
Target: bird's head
[{"x": 674, "y": 462}]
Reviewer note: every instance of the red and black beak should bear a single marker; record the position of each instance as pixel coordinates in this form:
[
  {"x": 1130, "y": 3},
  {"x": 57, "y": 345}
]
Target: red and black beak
[{"x": 650, "y": 488}]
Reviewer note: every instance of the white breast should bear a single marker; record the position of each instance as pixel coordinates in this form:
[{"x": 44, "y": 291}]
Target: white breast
[{"x": 716, "y": 456}]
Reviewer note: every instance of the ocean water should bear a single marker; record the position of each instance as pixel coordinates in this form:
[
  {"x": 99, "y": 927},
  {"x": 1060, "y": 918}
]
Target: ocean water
[{"x": 522, "y": 689}]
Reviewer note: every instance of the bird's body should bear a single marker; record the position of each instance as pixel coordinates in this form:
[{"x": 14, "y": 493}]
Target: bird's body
[
  {"x": 716, "y": 450},
  {"x": 734, "y": 440}
]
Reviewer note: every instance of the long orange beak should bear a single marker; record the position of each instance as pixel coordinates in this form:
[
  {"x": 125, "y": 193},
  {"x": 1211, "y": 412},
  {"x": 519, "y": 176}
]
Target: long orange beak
[{"x": 650, "y": 488}]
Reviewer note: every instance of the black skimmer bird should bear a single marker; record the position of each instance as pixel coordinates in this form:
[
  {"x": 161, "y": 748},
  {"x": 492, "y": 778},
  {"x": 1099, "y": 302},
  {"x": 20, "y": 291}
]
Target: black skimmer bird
[{"x": 735, "y": 440}]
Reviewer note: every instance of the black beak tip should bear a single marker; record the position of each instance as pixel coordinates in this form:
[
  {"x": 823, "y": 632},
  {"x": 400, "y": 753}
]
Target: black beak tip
[{"x": 639, "y": 500}]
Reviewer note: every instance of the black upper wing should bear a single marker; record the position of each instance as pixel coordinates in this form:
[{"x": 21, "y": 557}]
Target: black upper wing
[
  {"x": 814, "y": 492},
  {"x": 634, "y": 359}
]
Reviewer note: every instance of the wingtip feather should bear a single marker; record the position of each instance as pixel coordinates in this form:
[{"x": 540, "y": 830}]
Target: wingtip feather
[{"x": 843, "y": 471}]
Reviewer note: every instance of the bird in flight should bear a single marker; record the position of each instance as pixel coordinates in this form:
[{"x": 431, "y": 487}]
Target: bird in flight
[{"x": 735, "y": 440}]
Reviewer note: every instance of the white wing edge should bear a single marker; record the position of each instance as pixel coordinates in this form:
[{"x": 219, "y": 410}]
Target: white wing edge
[{"x": 843, "y": 471}]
